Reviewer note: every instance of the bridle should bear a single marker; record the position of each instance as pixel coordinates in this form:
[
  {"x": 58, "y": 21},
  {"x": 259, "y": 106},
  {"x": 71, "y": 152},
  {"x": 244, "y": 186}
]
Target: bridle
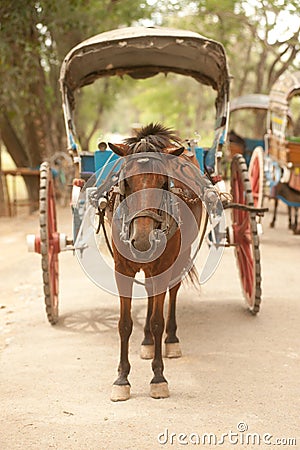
[{"x": 167, "y": 217}]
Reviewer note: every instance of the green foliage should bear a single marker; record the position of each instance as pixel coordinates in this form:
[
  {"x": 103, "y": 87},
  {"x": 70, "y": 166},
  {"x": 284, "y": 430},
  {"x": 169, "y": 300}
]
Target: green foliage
[
  {"x": 36, "y": 35},
  {"x": 176, "y": 101},
  {"x": 34, "y": 38}
]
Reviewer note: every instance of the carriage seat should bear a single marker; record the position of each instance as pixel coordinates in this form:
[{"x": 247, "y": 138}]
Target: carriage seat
[
  {"x": 199, "y": 152},
  {"x": 251, "y": 144},
  {"x": 92, "y": 162}
]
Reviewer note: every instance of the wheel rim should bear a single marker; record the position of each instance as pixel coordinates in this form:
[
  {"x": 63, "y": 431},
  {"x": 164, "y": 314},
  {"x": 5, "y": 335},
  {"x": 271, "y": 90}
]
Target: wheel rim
[
  {"x": 49, "y": 242},
  {"x": 53, "y": 251},
  {"x": 245, "y": 235}
]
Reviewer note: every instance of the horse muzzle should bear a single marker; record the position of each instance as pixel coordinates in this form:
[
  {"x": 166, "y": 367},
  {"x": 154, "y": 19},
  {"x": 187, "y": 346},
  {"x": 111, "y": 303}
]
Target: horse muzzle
[{"x": 147, "y": 246}]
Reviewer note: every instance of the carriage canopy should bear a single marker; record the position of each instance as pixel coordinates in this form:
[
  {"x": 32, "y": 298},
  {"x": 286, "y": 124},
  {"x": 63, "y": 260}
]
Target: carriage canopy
[
  {"x": 142, "y": 52},
  {"x": 283, "y": 90},
  {"x": 250, "y": 101}
]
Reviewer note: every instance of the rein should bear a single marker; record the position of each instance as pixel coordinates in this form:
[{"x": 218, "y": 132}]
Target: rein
[{"x": 101, "y": 214}]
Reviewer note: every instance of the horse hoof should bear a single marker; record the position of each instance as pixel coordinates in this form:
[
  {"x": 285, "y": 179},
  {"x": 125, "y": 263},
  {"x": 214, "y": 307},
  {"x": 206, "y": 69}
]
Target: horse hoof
[
  {"x": 159, "y": 390},
  {"x": 172, "y": 350},
  {"x": 120, "y": 393},
  {"x": 147, "y": 351}
]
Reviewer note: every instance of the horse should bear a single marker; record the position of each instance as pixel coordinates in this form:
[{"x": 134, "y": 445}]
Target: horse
[{"x": 137, "y": 190}]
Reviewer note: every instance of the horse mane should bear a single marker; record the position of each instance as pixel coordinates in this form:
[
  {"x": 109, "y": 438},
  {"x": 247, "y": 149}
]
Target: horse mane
[{"x": 152, "y": 137}]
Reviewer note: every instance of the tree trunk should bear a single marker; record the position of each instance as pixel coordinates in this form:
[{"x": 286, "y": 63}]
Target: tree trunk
[
  {"x": 11, "y": 141},
  {"x": 3, "y": 203},
  {"x": 261, "y": 70},
  {"x": 260, "y": 123},
  {"x": 18, "y": 155}
]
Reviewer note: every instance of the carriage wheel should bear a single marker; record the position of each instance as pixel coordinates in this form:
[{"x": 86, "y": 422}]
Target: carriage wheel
[
  {"x": 49, "y": 242},
  {"x": 256, "y": 175},
  {"x": 245, "y": 235}
]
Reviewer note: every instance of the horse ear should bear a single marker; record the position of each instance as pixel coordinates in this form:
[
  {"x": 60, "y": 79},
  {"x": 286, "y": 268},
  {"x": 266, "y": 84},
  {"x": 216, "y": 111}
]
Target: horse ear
[
  {"x": 176, "y": 151},
  {"x": 119, "y": 149}
]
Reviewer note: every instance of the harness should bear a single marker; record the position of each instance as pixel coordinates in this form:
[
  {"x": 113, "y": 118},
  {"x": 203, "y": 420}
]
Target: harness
[
  {"x": 194, "y": 189},
  {"x": 168, "y": 217},
  {"x": 182, "y": 189}
]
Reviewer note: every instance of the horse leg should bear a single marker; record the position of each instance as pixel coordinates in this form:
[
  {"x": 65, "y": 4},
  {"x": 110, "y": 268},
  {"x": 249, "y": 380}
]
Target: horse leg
[
  {"x": 159, "y": 385},
  {"x": 291, "y": 225},
  {"x": 272, "y": 224},
  {"x": 296, "y": 229},
  {"x": 172, "y": 346},
  {"x": 147, "y": 347},
  {"x": 121, "y": 387}
]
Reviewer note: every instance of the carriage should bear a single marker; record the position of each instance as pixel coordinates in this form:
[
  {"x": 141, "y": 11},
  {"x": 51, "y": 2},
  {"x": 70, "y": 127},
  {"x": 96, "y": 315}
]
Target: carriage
[
  {"x": 282, "y": 161},
  {"x": 100, "y": 178},
  {"x": 248, "y": 116}
]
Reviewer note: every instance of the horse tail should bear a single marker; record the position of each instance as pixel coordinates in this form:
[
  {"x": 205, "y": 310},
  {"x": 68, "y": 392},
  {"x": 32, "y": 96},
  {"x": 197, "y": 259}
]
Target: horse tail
[{"x": 193, "y": 277}]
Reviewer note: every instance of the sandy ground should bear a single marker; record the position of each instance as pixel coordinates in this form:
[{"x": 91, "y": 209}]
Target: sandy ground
[{"x": 237, "y": 372}]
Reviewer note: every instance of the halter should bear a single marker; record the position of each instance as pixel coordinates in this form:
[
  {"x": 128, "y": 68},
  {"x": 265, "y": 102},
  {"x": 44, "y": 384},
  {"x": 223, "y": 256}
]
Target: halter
[{"x": 169, "y": 218}]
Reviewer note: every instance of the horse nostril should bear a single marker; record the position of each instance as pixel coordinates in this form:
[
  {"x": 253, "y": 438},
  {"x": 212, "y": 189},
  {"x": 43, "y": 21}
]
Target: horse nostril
[{"x": 142, "y": 245}]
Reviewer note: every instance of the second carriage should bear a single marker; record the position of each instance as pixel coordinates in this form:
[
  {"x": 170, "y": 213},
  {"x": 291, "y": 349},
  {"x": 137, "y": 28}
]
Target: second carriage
[{"x": 282, "y": 155}]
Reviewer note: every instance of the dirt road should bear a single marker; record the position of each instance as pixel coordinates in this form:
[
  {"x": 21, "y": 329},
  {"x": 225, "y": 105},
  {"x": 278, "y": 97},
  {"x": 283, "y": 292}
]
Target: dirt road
[{"x": 239, "y": 375}]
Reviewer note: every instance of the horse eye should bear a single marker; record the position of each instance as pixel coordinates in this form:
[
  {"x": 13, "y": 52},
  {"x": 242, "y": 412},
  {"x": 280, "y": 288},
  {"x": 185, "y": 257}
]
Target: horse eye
[{"x": 165, "y": 185}]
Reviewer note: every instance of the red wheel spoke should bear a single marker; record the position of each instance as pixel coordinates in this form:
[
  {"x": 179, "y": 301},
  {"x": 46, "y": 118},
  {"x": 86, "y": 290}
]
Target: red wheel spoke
[
  {"x": 256, "y": 173},
  {"x": 244, "y": 229},
  {"x": 247, "y": 271}
]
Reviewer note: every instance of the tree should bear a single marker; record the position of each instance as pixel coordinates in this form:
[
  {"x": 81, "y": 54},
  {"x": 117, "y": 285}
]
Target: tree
[
  {"x": 23, "y": 88},
  {"x": 257, "y": 55},
  {"x": 261, "y": 38},
  {"x": 34, "y": 38}
]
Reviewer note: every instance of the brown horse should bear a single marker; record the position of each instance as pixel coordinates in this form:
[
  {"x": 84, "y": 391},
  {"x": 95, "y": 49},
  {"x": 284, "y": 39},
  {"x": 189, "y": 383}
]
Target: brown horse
[{"x": 148, "y": 225}]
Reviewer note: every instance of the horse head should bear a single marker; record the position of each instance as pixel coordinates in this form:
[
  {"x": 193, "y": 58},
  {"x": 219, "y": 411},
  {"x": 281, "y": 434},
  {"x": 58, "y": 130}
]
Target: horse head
[{"x": 143, "y": 182}]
